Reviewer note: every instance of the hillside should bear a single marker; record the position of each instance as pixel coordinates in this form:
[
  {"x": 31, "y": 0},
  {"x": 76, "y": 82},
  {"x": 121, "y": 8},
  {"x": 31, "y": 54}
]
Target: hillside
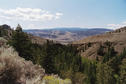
[
  {"x": 67, "y": 35},
  {"x": 25, "y": 61},
  {"x": 6, "y": 32},
  {"x": 116, "y": 38},
  {"x": 16, "y": 70}
]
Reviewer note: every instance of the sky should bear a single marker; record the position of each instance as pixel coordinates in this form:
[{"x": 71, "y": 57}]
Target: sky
[{"x": 40, "y": 14}]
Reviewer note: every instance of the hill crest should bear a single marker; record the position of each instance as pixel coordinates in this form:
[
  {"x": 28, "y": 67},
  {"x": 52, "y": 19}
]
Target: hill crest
[
  {"x": 89, "y": 46},
  {"x": 66, "y": 35}
]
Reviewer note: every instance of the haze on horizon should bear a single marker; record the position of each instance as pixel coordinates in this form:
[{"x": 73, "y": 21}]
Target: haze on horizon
[{"x": 32, "y": 14}]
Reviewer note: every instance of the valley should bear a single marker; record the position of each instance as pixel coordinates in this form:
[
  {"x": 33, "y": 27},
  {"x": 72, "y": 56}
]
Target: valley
[
  {"x": 67, "y": 35},
  {"x": 78, "y": 62}
]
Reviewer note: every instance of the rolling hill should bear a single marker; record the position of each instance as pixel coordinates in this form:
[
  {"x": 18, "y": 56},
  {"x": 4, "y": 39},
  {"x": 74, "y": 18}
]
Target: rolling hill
[
  {"x": 89, "y": 46},
  {"x": 66, "y": 35}
]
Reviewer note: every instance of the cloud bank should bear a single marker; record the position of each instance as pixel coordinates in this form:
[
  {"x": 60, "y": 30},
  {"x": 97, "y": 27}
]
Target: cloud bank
[
  {"x": 28, "y": 14},
  {"x": 116, "y": 26}
]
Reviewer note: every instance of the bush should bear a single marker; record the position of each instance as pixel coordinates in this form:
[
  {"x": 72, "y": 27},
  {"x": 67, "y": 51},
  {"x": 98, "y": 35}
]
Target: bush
[{"x": 15, "y": 70}]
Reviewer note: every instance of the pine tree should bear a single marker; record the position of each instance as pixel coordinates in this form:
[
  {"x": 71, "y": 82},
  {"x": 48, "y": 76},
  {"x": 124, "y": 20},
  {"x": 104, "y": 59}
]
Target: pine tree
[
  {"x": 21, "y": 42},
  {"x": 123, "y": 72},
  {"x": 109, "y": 54},
  {"x": 100, "y": 50},
  {"x": 18, "y": 28},
  {"x": 48, "y": 59},
  {"x": 105, "y": 74}
]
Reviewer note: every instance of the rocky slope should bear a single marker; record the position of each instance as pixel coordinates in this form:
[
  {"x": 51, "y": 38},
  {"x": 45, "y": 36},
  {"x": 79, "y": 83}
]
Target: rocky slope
[{"x": 89, "y": 46}]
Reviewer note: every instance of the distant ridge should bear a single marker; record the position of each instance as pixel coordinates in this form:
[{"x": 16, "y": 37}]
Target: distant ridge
[{"x": 67, "y": 35}]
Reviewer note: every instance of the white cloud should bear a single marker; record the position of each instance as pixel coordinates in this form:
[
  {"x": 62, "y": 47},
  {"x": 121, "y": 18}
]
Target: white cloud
[
  {"x": 28, "y": 14},
  {"x": 58, "y": 15},
  {"x": 124, "y": 22},
  {"x": 116, "y": 26}
]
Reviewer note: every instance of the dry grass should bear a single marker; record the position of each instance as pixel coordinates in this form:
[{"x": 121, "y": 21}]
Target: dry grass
[
  {"x": 117, "y": 38},
  {"x": 52, "y": 79}
]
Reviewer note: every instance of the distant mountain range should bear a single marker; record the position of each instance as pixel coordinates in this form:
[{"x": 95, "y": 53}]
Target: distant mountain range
[{"x": 66, "y": 35}]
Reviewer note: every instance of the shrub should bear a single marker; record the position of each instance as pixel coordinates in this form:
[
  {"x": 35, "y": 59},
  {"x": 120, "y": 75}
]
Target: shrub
[
  {"x": 15, "y": 70},
  {"x": 2, "y": 41}
]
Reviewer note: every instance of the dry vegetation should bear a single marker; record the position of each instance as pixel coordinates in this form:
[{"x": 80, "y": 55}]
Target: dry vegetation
[
  {"x": 15, "y": 70},
  {"x": 55, "y": 80},
  {"x": 117, "y": 38}
]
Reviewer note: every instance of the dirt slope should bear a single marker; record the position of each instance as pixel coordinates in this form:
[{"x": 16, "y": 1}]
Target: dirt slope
[{"x": 89, "y": 46}]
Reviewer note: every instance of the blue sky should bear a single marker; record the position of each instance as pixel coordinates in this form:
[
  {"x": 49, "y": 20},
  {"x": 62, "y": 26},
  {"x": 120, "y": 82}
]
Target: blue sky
[{"x": 63, "y": 13}]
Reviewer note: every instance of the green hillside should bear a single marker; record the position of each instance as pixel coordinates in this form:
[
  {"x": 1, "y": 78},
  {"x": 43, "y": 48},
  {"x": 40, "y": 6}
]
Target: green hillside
[{"x": 55, "y": 63}]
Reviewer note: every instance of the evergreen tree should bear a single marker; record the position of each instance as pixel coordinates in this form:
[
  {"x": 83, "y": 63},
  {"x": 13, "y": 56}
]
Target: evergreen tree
[
  {"x": 100, "y": 50},
  {"x": 115, "y": 62},
  {"x": 105, "y": 74},
  {"x": 48, "y": 59},
  {"x": 21, "y": 42},
  {"x": 109, "y": 54},
  {"x": 123, "y": 72}
]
